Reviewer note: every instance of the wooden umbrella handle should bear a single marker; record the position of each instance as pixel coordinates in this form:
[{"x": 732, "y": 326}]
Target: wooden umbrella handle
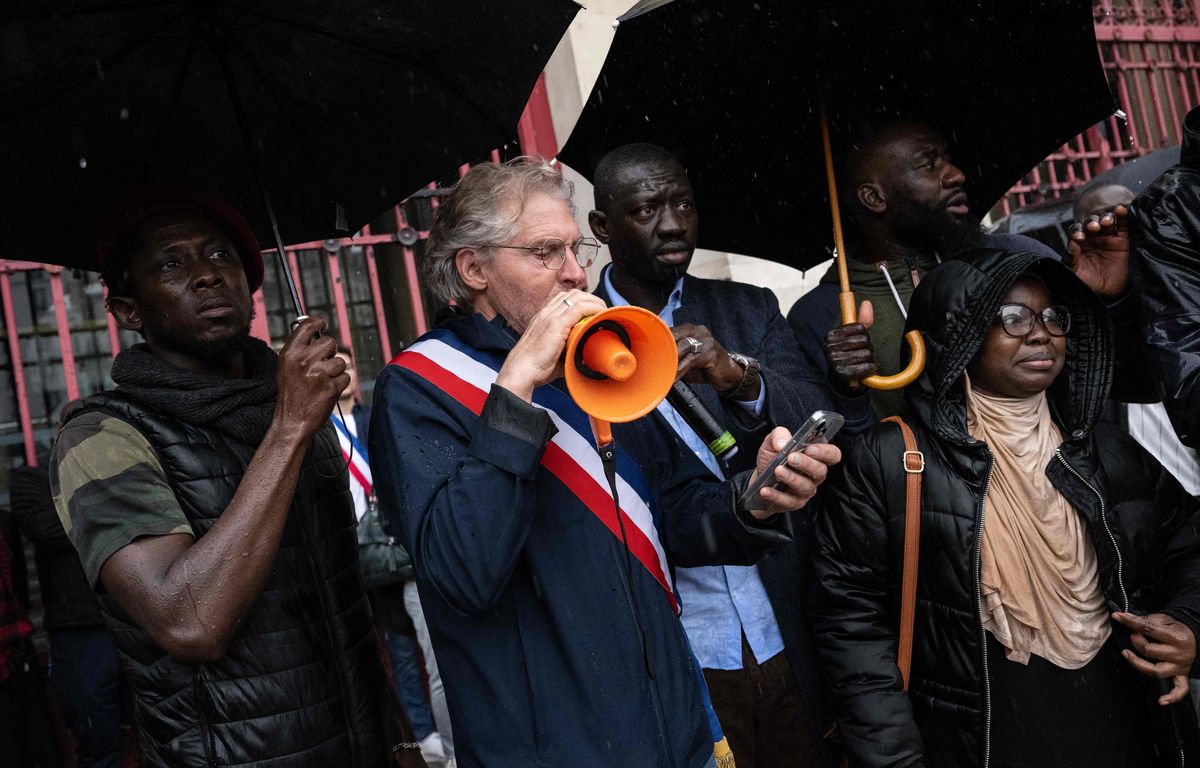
[
  {"x": 916, "y": 364},
  {"x": 846, "y": 300}
]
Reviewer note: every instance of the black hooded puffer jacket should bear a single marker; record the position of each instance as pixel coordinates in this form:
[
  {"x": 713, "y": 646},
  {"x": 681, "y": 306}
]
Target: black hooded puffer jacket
[
  {"x": 1141, "y": 522},
  {"x": 1165, "y": 228}
]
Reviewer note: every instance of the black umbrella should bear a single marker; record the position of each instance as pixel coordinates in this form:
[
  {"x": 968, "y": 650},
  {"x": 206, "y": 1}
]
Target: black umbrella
[
  {"x": 733, "y": 88},
  {"x": 338, "y": 109}
]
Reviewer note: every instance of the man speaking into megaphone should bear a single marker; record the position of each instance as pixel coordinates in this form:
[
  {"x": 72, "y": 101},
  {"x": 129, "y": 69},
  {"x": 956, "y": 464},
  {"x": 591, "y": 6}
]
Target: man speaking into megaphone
[{"x": 553, "y": 617}]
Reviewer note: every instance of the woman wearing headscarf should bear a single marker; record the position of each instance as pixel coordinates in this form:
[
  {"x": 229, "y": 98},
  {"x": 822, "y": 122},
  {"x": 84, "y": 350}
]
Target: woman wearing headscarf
[{"x": 1058, "y": 595}]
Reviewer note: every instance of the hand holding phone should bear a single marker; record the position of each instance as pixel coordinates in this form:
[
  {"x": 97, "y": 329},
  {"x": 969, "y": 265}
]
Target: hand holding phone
[{"x": 820, "y": 428}]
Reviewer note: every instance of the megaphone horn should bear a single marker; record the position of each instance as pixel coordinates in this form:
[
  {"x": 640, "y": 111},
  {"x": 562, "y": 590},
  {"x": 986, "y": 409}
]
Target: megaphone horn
[{"x": 620, "y": 365}]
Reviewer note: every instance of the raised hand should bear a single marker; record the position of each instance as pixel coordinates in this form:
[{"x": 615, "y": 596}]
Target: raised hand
[
  {"x": 311, "y": 377},
  {"x": 537, "y": 357},
  {"x": 1098, "y": 252},
  {"x": 702, "y": 359}
]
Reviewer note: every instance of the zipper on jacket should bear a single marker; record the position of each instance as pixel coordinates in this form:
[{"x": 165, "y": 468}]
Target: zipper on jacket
[
  {"x": 1116, "y": 549},
  {"x": 1107, "y": 528},
  {"x": 206, "y": 734},
  {"x": 987, "y": 685}
]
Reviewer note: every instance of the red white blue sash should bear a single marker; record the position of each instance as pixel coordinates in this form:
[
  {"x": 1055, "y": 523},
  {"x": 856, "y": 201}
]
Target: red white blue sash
[
  {"x": 356, "y": 453},
  {"x": 571, "y": 455}
]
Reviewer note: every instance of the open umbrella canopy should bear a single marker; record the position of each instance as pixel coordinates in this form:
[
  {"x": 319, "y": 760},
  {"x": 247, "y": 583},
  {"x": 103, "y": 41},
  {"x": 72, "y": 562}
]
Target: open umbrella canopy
[
  {"x": 733, "y": 88},
  {"x": 350, "y": 106}
]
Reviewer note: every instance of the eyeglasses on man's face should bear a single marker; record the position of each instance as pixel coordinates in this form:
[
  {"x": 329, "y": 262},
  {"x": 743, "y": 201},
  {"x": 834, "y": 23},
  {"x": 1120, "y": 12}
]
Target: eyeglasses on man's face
[
  {"x": 553, "y": 252},
  {"x": 1018, "y": 319}
]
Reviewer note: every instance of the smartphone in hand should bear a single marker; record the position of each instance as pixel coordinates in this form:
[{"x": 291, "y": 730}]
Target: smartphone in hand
[{"x": 820, "y": 428}]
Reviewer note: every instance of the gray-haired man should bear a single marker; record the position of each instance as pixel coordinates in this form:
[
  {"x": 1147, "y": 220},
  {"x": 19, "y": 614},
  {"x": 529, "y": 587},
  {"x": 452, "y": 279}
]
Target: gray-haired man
[{"x": 554, "y": 621}]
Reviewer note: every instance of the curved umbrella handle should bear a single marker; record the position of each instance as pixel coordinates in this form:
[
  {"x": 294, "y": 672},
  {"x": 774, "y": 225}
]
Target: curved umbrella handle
[
  {"x": 916, "y": 348},
  {"x": 916, "y": 344}
]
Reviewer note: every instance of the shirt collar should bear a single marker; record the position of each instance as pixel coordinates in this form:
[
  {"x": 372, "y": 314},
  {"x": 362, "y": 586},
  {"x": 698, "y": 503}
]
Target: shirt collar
[{"x": 674, "y": 300}]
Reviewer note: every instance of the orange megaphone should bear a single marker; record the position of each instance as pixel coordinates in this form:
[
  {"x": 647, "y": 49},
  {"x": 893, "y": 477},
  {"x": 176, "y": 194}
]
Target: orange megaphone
[{"x": 620, "y": 364}]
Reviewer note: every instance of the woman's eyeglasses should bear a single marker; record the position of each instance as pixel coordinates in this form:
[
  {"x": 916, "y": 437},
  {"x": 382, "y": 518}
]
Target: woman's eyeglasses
[{"x": 1018, "y": 319}]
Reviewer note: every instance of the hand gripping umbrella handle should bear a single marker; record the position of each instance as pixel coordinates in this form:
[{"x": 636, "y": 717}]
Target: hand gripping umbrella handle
[
  {"x": 916, "y": 348},
  {"x": 916, "y": 344}
]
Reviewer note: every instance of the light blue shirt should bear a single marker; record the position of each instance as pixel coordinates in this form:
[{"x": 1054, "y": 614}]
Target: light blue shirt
[{"x": 720, "y": 602}]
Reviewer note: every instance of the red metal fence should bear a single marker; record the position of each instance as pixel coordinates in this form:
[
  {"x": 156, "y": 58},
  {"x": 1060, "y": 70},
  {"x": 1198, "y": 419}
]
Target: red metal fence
[{"x": 1151, "y": 52}]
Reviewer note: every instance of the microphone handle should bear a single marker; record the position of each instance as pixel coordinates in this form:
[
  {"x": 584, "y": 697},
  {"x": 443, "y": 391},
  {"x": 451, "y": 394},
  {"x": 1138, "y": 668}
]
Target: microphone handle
[{"x": 719, "y": 440}]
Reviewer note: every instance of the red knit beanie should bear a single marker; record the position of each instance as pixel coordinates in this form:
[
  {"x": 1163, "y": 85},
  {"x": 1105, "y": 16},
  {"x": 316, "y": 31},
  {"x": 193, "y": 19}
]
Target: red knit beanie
[{"x": 143, "y": 204}]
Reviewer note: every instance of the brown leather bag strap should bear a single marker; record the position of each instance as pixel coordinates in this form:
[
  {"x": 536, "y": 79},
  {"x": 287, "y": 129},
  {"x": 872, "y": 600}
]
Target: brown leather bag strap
[{"x": 914, "y": 465}]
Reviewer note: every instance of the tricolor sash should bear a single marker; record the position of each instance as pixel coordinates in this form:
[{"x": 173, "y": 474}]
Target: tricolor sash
[
  {"x": 466, "y": 375},
  {"x": 355, "y": 453}
]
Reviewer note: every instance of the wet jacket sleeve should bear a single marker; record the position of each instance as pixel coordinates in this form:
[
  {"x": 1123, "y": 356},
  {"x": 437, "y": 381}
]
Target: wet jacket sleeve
[
  {"x": 793, "y": 388},
  {"x": 460, "y": 489},
  {"x": 1166, "y": 276},
  {"x": 1129, "y": 383},
  {"x": 856, "y": 631}
]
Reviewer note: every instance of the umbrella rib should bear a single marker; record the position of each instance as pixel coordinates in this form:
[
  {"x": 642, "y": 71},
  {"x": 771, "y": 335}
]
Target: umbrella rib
[
  {"x": 87, "y": 74},
  {"x": 287, "y": 118},
  {"x": 415, "y": 63},
  {"x": 93, "y": 10},
  {"x": 177, "y": 89}
]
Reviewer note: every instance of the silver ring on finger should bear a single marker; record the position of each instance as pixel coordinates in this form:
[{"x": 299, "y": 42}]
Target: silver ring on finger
[
  {"x": 694, "y": 344},
  {"x": 567, "y": 301}
]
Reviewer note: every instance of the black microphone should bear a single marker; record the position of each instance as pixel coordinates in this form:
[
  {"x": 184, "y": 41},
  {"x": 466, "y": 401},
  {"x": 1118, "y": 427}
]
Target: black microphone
[{"x": 686, "y": 404}]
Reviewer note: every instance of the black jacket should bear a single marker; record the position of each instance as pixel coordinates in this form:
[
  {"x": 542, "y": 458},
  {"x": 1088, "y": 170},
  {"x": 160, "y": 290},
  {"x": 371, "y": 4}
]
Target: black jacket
[
  {"x": 301, "y": 683},
  {"x": 746, "y": 319},
  {"x": 1141, "y": 522},
  {"x": 69, "y": 600},
  {"x": 1166, "y": 282}
]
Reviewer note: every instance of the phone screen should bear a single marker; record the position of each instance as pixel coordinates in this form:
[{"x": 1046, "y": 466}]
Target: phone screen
[{"x": 820, "y": 428}]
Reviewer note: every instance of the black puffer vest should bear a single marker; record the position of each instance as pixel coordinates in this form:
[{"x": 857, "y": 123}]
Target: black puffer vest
[{"x": 300, "y": 683}]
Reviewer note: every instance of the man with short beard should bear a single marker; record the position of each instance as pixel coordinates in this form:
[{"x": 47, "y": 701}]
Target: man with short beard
[
  {"x": 207, "y": 499},
  {"x": 909, "y": 203}
]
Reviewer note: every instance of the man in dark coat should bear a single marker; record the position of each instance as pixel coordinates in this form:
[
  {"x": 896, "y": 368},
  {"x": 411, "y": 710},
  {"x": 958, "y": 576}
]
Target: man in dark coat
[
  {"x": 746, "y": 623},
  {"x": 906, "y": 202},
  {"x": 207, "y": 499}
]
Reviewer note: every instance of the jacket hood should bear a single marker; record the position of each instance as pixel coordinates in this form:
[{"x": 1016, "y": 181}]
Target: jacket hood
[
  {"x": 954, "y": 307},
  {"x": 1189, "y": 154}
]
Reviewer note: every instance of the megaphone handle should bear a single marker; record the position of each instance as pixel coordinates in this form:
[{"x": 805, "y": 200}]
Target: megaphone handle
[
  {"x": 602, "y": 430},
  {"x": 608, "y": 458}
]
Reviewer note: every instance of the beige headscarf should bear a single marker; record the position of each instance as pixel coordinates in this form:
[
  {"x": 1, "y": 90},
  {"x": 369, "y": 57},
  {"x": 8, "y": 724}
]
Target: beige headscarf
[{"x": 1039, "y": 582}]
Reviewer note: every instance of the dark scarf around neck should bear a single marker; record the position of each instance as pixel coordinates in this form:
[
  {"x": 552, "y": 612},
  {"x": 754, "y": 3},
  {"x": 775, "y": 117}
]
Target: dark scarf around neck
[{"x": 239, "y": 408}]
